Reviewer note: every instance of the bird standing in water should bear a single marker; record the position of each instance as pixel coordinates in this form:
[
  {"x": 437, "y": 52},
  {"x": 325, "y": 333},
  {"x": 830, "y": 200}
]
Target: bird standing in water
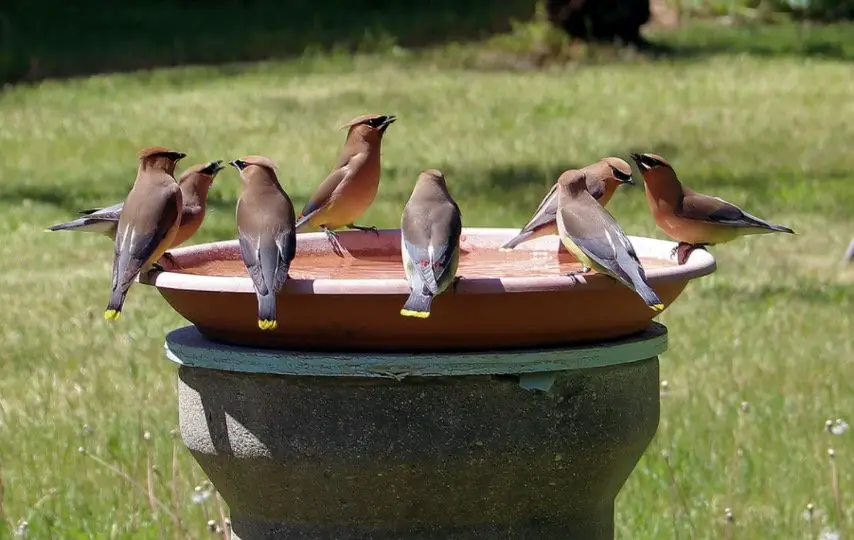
[
  {"x": 603, "y": 179},
  {"x": 353, "y": 184},
  {"x": 430, "y": 242}
]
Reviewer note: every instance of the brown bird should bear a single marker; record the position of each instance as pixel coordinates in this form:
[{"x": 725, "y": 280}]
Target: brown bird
[
  {"x": 693, "y": 219},
  {"x": 591, "y": 233},
  {"x": 430, "y": 242},
  {"x": 603, "y": 179},
  {"x": 149, "y": 222},
  {"x": 266, "y": 231},
  {"x": 194, "y": 183},
  {"x": 352, "y": 186}
]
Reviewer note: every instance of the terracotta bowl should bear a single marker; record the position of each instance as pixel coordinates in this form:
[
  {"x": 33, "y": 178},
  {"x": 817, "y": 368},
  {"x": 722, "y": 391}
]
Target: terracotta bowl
[{"x": 352, "y": 300}]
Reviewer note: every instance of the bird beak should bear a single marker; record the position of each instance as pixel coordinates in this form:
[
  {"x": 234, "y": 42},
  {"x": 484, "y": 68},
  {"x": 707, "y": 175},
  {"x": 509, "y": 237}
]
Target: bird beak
[
  {"x": 638, "y": 159},
  {"x": 213, "y": 167},
  {"x": 389, "y": 120},
  {"x": 236, "y": 164},
  {"x": 630, "y": 181}
]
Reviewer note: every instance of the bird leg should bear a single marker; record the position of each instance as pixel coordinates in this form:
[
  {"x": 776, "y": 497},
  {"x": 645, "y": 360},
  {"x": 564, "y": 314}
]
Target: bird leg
[
  {"x": 575, "y": 273},
  {"x": 683, "y": 250},
  {"x": 333, "y": 239},
  {"x": 168, "y": 256},
  {"x": 364, "y": 228}
]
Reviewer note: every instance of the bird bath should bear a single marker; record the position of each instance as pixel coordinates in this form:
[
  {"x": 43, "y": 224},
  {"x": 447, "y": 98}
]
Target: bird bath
[{"x": 518, "y": 409}]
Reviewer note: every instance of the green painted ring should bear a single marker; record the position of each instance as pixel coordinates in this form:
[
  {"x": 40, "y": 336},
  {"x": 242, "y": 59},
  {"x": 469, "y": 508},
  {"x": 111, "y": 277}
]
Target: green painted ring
[{"x": 187, "y": 347}]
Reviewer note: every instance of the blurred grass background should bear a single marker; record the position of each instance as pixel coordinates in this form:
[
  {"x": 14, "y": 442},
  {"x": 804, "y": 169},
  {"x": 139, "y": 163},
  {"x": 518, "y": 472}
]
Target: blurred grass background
[{"x": 749, "y": 103}]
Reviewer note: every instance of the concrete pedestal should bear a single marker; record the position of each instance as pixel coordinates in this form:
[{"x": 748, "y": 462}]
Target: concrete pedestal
[{"x": 502, "y": 445}]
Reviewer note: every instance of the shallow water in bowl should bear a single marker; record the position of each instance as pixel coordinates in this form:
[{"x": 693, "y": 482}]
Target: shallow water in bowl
[{"x": 477, "y": 263}]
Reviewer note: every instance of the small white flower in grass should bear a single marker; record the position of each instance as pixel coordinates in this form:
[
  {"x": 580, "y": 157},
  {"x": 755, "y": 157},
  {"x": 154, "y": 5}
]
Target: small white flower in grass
[
  {"x": 829, "y": 535},
  {"x": 728, "y": 515},
  {"x": 831, "y": 453},
  {"x": 809, "y": 512},
  {"x": 146, "y": 435},
  {"x": 828, "y": 425},
  {"x": 839, "y": 427},
  {"x": 745, "y": 406},
  {"x": 22, "y": 529},
  {"x": 201, "y": 494}
]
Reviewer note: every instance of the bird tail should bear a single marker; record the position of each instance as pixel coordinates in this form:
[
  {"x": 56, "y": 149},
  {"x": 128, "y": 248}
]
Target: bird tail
[
  {"x": 780, "y": 228},
  {"x": 652, "y": 300},
  {"x": 84, "y": 225},
  {"x": 114, "y": 307},
  {"x": 417, "y": 305},
  {"x": 515, "y": 241},
  {"x": 267, "y": 312}
]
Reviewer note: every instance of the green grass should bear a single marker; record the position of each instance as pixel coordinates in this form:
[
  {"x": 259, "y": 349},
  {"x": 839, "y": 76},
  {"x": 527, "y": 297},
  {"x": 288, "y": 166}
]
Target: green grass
[{"x": 772, "y": 327}]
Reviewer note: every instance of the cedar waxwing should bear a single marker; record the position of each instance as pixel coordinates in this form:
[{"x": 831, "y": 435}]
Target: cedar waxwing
[
  {"x": 603, "y": 179},
  {"x": 194, "y": 183},
  {"x": 596, "y": 239},
  {"x": 849, "y": 255},
  {"x": 693, "y": 219},
  {"x": 148, "y": 224},
  {"x": 429, "y": 242},
  {"x": 265, "y": 226},
  {"x": 351, "y": 187}
]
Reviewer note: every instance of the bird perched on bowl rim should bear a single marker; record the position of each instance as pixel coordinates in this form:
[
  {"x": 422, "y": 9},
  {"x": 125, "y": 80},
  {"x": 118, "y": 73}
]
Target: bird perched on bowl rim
[
  {"x": 603, "y": 179},
  {"x": 266, "y": 233},
  {"x": 691, "y": 218},
  {"x": 195, "y": 183},
  {"x": 430, "y": 230},
  {"x": 149, "y": 222},
  {"x": 353, "y": 184},
  {"x": 591, "y": 233}
]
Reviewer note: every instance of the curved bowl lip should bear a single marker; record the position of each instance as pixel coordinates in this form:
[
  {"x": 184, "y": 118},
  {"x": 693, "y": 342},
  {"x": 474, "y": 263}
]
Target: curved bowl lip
[{"x": 700, "y": 263}]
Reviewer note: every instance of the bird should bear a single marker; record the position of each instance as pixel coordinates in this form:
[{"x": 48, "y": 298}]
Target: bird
[
  {"x": 194, "y": 183},
  {"x": 691, "y": 218},
  {"x": 430, "y": 230},
  {"x": 603, "y": 179},
  {"x": 149, "y": 221},
  {"x": 352, "y": 185},
  {"x": 591, "y": 233},
  {"x": 266, "y": 232}
]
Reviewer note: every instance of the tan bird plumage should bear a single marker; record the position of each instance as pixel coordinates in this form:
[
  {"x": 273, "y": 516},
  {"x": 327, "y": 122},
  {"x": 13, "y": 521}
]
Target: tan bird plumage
[
  {"x": 430, "y": 230},
  {"x": 353, "y": 184},
  {"x": 148, "y": 224},
  {"x": 603, "y": 179},
  {"x": 266, "y": 232},
  {"x": 591, "y": 233},
  {"x": 194, "y": 183},
  {"x": 691, "y": 218}
]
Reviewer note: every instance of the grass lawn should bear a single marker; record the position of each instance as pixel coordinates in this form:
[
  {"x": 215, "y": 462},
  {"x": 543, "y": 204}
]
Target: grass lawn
[{"x": 772, "y": 328}]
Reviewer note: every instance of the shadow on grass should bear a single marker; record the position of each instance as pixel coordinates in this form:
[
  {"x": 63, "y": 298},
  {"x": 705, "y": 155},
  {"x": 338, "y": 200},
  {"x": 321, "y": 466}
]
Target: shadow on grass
[
  {"x": 704, "y": 39},
  {"x": 51, "y": 38}
]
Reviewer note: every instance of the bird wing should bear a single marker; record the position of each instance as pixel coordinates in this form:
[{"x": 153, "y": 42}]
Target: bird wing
[
  {"x": 431, "y": 242},
  {"x": 327, "y": 189},
  {"x": 109, "y": 213},
  {"x": 716, "y": 210},
  {"x": 267, "y": 252},
  {"x": 605, "y": 242},
  {"x": 546, "y": 212},
  {"x": 141, "y": 237}
]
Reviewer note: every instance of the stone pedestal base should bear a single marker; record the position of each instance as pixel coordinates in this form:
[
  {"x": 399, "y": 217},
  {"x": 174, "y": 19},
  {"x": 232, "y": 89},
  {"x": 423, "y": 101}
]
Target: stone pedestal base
[{"x": 376, "y": 453}]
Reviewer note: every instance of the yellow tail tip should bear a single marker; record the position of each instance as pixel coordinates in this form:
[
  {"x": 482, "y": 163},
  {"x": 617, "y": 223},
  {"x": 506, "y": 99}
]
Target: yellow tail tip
[
  {"x": 657, "y": 307},
  {"x": 417, "y": 314},
  {"x": 265, "y": 324},
  {"x": 112, "y": 315}
]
